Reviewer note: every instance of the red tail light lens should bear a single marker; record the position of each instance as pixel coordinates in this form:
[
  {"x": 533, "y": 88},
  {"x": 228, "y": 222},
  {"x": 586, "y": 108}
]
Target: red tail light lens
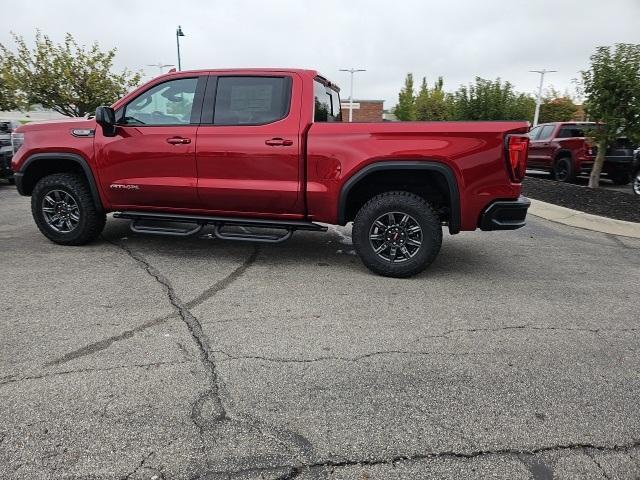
[{"x": 517, "y": 149}]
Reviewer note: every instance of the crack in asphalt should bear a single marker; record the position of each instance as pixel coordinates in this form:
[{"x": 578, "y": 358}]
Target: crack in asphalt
[
  {"x": 15, "y": 379},
  {"x": 344, "y": 359},
  {"x": 208, "y": 410},
  {"x": 595, "y": 460},
  {"x": 140, "y": 465},
  {"x": 538, "y": 469},
  {"x": 193, "y": 325},
  {"x": 204, "y": 296},
  {"x": 297, "y": 470}
]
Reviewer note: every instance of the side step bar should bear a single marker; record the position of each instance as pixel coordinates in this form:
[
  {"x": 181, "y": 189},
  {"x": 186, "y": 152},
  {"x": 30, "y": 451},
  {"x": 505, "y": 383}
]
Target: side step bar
[{"x": 289, "y": 226}]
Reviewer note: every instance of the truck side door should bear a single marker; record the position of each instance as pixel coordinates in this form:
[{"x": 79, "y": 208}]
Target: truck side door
[
  {"x": 541, "y": 149},
  {"x": 151, "y": 160},
  {"x": 249, "y": 152}
]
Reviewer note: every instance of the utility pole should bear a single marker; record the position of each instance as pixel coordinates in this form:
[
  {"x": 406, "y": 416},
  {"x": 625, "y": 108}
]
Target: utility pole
[
  {"x": 351, "y": 71},
  {"x": 178, "y": 35},
  {"x": 160, "y": 66},
  {"x": 539, "y": 99}
]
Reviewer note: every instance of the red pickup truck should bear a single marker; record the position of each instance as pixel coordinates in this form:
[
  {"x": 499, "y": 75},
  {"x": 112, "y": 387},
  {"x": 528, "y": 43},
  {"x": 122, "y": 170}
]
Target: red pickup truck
[
  {"x": 563, "y": 149},
  {"x": 255, "y": 151}
]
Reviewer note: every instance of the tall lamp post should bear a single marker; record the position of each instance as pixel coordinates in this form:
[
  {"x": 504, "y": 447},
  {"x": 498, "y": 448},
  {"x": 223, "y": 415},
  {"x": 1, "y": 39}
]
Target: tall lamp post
[
  {"x": 539, "y": 99},
  {"x": 178, "y": 35},
  {"x": 351, "y": 71}
]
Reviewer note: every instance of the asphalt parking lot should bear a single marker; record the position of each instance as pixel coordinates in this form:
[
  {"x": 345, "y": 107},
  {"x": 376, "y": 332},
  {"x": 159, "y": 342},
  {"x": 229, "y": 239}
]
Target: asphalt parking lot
[{"x": 514, "y": 356}]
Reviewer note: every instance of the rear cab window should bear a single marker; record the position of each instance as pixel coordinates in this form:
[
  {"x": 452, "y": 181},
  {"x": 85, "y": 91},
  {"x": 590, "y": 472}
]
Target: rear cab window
[{"x": 326, "y": 103}]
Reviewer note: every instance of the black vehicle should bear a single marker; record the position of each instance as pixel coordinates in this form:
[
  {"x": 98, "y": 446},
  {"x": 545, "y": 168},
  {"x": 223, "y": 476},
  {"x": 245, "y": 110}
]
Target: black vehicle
[{"x": 6, "y": 151}]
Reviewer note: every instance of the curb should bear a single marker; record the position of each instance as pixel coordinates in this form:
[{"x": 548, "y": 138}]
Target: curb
[{"x": 575, "y": 218}]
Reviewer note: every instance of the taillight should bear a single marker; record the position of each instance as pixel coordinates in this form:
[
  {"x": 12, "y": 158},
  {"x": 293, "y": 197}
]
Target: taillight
[{"x": 517, "y": 148}]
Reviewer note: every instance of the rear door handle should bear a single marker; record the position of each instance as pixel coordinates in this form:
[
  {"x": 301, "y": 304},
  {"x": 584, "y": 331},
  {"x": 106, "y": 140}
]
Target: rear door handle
[
  {"x": 178, "y": 140},
  {"x": 278, "y": 142}
]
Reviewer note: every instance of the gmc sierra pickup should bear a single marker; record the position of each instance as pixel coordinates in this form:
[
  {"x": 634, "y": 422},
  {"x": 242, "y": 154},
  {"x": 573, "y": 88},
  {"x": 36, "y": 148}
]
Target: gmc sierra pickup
[
  {"x": 251, "y": 149},
  {"x": 564, "y": 150}
]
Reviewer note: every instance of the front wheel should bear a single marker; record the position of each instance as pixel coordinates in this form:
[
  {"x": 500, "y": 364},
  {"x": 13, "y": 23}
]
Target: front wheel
[
  {"x": 397, "y": 234},
  {"x": 62, "y": 206}
]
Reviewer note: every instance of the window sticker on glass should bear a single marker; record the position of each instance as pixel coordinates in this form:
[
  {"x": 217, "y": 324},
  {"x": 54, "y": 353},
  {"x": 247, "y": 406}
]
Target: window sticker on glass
[{"x": 256, "y": 98}]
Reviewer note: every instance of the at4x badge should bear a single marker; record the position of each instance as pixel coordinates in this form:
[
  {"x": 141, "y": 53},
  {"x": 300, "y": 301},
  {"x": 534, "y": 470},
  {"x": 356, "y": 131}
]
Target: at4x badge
[{"x": 122, "y": 186}]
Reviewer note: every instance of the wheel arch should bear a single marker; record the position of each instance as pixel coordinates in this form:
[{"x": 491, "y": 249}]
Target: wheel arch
[
  {"x": 40, "y": 165},
  {"x": 431, "y": 168}
]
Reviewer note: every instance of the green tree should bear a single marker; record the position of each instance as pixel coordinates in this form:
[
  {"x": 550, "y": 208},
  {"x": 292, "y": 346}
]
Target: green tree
[
  {"x": 431, "y": 104},
  {"x": 612, "y": 87},
  {"x": 557, "y": 107},
  {"x": 406, "y": 108},
  {"x": 67, "y": 77},
  {"x": 491, "y": 100}
]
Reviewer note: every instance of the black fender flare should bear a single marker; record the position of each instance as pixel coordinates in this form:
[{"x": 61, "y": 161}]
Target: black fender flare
[
  {"x": 93, "y": 187},
  {"x": 426, "y": 165}
]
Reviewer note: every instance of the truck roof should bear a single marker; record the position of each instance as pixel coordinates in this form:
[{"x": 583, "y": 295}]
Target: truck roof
[{"x": 301, "y": 71}]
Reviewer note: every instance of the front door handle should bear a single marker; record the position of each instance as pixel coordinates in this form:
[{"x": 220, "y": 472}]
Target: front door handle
[
  {"x": 278, "y": 142},
  {"x": 178, "y": 140}
]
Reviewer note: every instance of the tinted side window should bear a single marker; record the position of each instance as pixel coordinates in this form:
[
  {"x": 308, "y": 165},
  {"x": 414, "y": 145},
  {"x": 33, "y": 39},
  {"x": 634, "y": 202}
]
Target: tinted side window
[
  {"x": 169, "y": 103},
  {"x": 321, "y": 103},
  {"x": 326, "y": 104},
  {"x": 251, "y": 100},
  {"x": 546, "y": 132},
  {"x": 572, "y": 132}
]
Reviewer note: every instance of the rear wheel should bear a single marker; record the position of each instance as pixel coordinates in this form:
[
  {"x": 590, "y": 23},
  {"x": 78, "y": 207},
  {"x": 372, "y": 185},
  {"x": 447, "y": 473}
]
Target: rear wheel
[
  {"x": 397, "y": 234},
  {"x": 563, "y": 170},
  {"x": 62, "y": 206}
]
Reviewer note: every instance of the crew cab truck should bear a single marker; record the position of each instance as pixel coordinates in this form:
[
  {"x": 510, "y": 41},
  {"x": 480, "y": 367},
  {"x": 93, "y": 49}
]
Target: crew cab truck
[
  {"x": 563, "y": 149},
  {"x": 266, "y": 149}
]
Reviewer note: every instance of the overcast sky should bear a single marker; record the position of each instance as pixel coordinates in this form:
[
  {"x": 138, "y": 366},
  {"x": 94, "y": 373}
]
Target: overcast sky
[{"x": 458, "y": 39}]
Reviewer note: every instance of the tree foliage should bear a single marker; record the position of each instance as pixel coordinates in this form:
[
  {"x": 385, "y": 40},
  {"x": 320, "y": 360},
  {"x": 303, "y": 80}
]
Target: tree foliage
[
  {"x": 491, "y": 100},
  {"x": 612, "y": 87},
  {"x": 406, "y": 108},
  {"x": 431, "y": 103},
  {"x": 71, "y": 79},
  {"x": 557, "y": 107}
]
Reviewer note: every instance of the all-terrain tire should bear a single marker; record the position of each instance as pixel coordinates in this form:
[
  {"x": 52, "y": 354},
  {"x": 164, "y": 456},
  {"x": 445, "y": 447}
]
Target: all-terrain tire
[
  {"x": 400, "y": 205},
  {"x": 90, "y": 221}
]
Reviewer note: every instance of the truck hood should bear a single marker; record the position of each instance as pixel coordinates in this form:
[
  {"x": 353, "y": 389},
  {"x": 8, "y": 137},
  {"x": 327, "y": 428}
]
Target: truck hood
[{"x": 59, "y": 124}]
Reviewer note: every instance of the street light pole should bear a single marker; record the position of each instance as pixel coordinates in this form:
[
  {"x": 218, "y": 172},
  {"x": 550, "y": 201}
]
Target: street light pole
[
  {"x": 539, "y": 99},
  {"x": 178, "y": 35},
  {"x": 351, "y": 71}
]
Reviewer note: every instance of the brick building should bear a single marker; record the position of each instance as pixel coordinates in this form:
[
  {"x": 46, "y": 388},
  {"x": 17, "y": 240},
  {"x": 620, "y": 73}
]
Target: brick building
[{"x": 363, "y": 110}]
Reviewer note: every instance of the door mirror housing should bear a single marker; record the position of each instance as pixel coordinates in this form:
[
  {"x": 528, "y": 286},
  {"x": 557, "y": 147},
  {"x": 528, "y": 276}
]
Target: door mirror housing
[{"x": 106, "y": 118}]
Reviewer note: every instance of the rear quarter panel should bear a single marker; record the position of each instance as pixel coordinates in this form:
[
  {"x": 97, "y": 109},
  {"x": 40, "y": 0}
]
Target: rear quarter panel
[{"x": 473, "y": 151}]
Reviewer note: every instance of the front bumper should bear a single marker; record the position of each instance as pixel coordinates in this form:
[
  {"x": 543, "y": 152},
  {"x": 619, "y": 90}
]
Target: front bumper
[{"x": 505, "y": 214}]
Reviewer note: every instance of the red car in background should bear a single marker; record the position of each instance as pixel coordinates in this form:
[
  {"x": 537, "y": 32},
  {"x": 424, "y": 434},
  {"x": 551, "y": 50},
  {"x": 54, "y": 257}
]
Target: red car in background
[{"x": 563, "y": 149}]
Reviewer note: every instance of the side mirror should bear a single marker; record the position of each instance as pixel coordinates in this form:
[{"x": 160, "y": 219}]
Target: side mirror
[{"x": 106, "y": 118}]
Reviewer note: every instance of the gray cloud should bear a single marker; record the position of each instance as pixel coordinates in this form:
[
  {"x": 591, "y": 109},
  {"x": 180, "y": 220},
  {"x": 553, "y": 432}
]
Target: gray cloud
[{"x": 456, "y": 39}]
